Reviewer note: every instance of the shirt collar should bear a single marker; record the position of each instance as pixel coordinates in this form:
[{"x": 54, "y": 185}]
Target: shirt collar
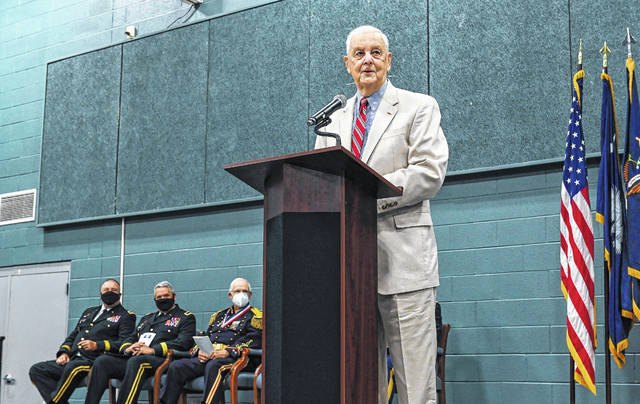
[{"x": 375, "y": 97}]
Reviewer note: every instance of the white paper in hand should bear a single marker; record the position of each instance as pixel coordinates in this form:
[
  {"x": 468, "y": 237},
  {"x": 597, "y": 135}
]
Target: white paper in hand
[
  {"x": 204, "y": 343},
  {"x": 147, "y": 337}
]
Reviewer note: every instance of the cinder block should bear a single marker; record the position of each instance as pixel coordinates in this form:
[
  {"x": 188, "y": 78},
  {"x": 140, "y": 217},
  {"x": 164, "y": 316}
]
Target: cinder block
[
  {"x": 87, "y": 288},
  {"x": 445, "y": 291},
  {"x": 460, "y": 314},
  {"x": 466, "y": 189},
  {"x": 487, "y": 368},
  {"x": 524, "y": 339},
  {"x": 20, "y": 236},
  {"x": 18, "y": 183},
  {"x": 19, "y": 166},
  {"x": 516, "y": 182},
  {"x": 28, "y": 146},
  {"x": 443, "y": 240},
  {"x": 522, "y": 231},
  {"x": 474, "y": 288},
  {"x": 11, "y": 132},
  {"x": 474, "y": 340},
  {"x": 22, "y": 112},
  {"x": 474, "y": 235},
  {"x": 85, "y": 268},
  {"x": 547, "y": 368},
  {"x": 544, "y": 256},
  {"x": 528, "y": 284},
  {"x": 523, "y": 312},
  {"x": 486, "y": 260}
]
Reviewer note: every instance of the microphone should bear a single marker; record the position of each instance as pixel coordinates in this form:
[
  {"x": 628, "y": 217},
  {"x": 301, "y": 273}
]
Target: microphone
[{"x": 339, "y": 101}]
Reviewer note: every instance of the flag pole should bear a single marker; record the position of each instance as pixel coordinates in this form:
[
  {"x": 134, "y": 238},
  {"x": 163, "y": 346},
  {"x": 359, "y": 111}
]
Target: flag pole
[
  {"x": 607, "y": 354},
  {"x": 572, "y": 364},
  {"x": 572, "y": 381}
]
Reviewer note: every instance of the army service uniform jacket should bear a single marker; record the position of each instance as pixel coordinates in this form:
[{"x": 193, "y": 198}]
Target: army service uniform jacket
[
  {"x": 234, "y": 331},
  {"x": 109, "y": 331},
  {"x": 172, "y": 330}
]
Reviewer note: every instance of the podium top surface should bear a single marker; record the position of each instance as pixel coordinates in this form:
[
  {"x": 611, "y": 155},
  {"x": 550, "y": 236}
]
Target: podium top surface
[{"x": 332, "y": 160}]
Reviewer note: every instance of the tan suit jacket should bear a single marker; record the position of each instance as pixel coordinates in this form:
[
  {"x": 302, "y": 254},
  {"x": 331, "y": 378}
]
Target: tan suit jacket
[{"x": 407, "y": 146}]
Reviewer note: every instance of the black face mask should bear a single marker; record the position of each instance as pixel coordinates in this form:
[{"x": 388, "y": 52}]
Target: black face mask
[
  {"x": 110, "y": 297},
  {"x": 165, "y": 304}
]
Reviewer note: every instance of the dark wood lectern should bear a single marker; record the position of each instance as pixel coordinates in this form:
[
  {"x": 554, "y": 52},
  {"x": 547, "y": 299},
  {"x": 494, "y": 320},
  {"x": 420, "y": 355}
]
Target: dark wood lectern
[{"x": 320, "y": 275}]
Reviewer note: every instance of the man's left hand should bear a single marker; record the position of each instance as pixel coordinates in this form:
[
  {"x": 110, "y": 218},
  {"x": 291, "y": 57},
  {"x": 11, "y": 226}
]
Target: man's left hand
[
  {"x": 88, "y": 345},
  {"x": 220, "y": 353},
  {"x": 144, "y": 350}
]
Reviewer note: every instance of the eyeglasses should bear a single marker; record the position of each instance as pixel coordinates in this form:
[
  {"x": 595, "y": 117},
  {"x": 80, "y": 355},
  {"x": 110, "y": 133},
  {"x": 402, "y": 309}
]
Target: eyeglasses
[{"x": 375, "y": 53}]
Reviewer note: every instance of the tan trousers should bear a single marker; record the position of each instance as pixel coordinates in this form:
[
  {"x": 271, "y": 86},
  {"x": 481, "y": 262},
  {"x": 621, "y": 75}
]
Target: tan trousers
[{"x": 406, "y": 322}]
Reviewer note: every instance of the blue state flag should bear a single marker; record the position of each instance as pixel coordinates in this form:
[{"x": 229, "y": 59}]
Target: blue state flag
[
  {"x": 632, "y": 184},
  {"x": 611, "y": 213}
]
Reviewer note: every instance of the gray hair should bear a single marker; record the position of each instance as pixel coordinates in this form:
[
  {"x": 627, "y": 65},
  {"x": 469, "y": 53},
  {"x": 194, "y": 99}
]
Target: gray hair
[
  {"x": 164, "y": 284},
  {"x": 233, "y": 282},
  {"x": 366, "y": 28}
]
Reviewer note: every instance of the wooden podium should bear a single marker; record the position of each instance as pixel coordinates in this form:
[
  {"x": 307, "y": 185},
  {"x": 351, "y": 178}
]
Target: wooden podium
[{"x": 320, "y": 275}]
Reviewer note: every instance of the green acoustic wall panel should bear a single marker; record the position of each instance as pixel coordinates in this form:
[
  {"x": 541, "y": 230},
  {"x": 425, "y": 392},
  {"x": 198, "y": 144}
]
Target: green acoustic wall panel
[
  {"x": 162, "y": 130},
  {"x": 595, "y": 22},
  {"x": 500, "y": 72},
  {"x": 80, "y": 137},
  {"x": 331, "y": 22},
  {"x": 257, "y": 91}
]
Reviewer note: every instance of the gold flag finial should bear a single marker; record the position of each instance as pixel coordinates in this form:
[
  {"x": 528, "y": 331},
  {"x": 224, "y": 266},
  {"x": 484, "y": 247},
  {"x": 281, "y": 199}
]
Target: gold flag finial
[
  {"x": 605, "y": 51},
  {"x": 580, "y": 56}
]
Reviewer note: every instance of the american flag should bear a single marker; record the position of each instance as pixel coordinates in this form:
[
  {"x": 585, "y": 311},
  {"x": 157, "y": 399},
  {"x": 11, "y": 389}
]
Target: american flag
[{"x": 576, "y": 248}]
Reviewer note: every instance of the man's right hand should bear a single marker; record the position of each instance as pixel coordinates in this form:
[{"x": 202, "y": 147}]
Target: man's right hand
[
  {"x": 62, "y": 359},
  {"x": 203, "y": 357}
]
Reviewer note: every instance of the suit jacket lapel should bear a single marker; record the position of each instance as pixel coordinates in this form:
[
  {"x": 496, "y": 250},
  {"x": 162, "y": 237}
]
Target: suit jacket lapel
[
  {"x": 386, "y": 111},
  {"x": 344, "y": 119}
]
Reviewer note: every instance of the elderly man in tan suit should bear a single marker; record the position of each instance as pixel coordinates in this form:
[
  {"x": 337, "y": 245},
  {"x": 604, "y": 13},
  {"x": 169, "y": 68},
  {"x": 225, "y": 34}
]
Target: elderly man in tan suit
[{"x": 398, "y": 134}]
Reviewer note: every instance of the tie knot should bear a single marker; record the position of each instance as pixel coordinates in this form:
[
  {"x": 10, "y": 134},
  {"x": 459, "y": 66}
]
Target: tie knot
[{"x": 364, "y": 102}]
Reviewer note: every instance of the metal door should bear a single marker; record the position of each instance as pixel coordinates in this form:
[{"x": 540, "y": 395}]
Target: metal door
[{"x": 35, "y": 325}]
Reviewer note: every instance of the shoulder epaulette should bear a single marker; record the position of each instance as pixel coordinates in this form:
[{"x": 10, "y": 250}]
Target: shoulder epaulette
[
  {"x": 213, "y": 317},
  {"x": 256, "y": 322},
  {"x": 256, "y": 312},
  {"x": 188, "y": 313},
  {"x": 130, "y": 312},
  {"x": 148, "y": 314}
]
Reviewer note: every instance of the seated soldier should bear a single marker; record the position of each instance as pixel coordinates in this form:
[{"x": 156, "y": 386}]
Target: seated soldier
[
  {"x": 144, "y": 351},
  {"x": 100, "y": 329},
  {"x": 230, "y": 331}
]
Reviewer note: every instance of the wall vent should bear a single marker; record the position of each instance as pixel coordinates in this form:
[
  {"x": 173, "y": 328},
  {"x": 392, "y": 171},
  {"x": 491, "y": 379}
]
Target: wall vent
[{"x": 17, "y": 207}]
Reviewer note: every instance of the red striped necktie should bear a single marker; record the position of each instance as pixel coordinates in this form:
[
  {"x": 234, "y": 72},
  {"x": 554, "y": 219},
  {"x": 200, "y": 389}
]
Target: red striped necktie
[{"x": 359, "y": 129}]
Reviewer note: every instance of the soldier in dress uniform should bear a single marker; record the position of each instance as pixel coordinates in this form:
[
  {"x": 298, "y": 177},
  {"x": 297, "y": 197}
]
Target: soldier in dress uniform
[
  {"x": 144, "y": 351},
  {"x": 100, "y": 329},
  {"x": 230, "y": 331}
]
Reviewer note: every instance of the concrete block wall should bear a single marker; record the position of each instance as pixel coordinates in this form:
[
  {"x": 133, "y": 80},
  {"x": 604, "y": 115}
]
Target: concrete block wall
[
  {"x": 498, "y": 235},
  {"x": 498, "y": 239}
]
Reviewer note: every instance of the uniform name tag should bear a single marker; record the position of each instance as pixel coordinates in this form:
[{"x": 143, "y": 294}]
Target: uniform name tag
[{"x": 147, "y": 337}]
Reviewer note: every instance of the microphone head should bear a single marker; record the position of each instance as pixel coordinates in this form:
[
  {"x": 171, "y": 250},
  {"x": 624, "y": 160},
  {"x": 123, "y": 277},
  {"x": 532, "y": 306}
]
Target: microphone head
[{"x": 342, "y": 99}]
